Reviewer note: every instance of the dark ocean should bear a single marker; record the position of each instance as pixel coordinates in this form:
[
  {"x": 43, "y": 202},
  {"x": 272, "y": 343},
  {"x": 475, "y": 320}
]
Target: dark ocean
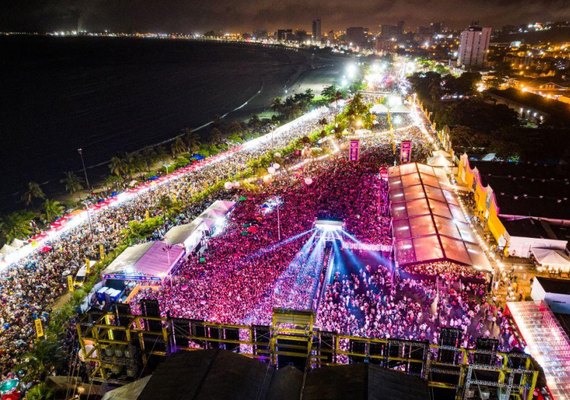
[{"x": 111, "y": 96}]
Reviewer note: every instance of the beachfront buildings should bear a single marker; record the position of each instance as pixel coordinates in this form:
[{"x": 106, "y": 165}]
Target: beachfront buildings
[{"x": 474, "y": 46}]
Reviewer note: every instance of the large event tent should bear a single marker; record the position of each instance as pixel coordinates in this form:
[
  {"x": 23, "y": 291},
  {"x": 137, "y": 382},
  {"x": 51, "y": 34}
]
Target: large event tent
[
  {"x": 151, "y": 261},
  {"x": 189, "y": 235},
  {"x": 427, "y": 221},
  {"x": 552, "y": 258}
]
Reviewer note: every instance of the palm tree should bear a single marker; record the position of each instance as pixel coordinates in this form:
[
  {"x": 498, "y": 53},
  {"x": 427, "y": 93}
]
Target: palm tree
[
  {"x": 277, "y": 104},
  {"x": 40, "y": 392},
  {"x": 16, "y": 225},
  {"x": 117, "y": 166},
  {"x": 132, "y": 164},
  {"x": 72, "y": 182},
  {"x": 254, "y": 122},
  {"x": 178, "y": 147},
  {"x": 192, "y": 140},
  {"x": 216, "y": 136},
  {"x": 33, "y": 192},
  {"x": 45, "y": 355},
  {"x": 329, "y": 93},
  {"x": 52, "y": 209},
  {"x": 148, "y": 156}
]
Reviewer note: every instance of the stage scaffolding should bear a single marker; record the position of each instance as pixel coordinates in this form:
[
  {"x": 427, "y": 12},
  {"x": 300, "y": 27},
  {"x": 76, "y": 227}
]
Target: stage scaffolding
[{"x": 121, "y": 347}]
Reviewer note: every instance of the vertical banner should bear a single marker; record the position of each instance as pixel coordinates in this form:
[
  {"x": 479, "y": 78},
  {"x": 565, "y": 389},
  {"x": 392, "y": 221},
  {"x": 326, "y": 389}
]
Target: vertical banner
[
  {"x": 354, "y": 150},
  {"x": 39, "y": 327},
  {"x": 70, "y": 283},
  {"x": 405, "y": 151},
  {"x": 101, "y": 252},
  {"x": 384, "y": 173}
]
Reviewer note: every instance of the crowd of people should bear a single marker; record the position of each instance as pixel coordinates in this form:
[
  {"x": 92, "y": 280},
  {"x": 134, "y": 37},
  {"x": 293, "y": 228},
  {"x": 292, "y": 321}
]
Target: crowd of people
[
  {"x": 374, "y": 300},
  {"x": 247, "y": 272},
  {"x": 269, "y": 253},
  {"x": 30, "y": 287}
]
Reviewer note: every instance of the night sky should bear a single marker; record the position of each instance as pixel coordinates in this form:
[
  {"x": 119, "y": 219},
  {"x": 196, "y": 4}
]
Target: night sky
[{"x": 247, "y": 15}]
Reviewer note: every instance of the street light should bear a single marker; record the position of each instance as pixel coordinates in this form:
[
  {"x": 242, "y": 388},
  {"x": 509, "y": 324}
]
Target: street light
[
  {"x": 86, "y": 203},
  {"x": 80, "y": 151}
]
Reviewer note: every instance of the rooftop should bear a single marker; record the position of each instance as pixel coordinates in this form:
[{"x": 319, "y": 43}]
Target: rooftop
[
  {"x": 528, "y": 189},
  {"x": 220, "y": 374},
  {"x": 550, "y": 285},
  {"x": 529, "y": 227},
  {"x": 554, "y": 108},
  {"x": 428, "y": 223}
]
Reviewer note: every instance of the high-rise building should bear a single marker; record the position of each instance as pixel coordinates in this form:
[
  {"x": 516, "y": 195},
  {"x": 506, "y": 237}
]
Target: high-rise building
[
  {"x": 473, "y": 46},
  {"x": 301, "y": 36},
  {"x": 388, "y": 31},
  {"x": 284, "y": 34},
  {"x": 356, "y": 36},
  {"x": 316, "y": 30}
]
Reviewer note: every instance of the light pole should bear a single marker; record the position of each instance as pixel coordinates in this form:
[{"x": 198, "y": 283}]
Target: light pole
[
  {"x": 278, "y": 202},
  {"x": 278, "y": 223},
  {"x": 87, "y": 204},
  {"x": 80, "y": 151}
]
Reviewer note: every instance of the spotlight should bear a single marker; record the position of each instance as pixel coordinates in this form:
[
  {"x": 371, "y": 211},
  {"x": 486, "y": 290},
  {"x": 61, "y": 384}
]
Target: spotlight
[{"x": 329, "y": 225}]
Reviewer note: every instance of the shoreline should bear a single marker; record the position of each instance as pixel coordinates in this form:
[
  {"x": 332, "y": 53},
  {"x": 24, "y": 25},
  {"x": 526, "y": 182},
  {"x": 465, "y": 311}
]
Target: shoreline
[{"x": 258, "y": 103}]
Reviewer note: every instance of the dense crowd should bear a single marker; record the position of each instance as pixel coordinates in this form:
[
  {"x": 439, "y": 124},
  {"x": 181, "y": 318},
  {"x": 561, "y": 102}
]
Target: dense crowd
[
  {"x": 376, "y": 301},
  {"x": 29, "y": 288},
  {"x": 267, "y": 256},
  {"x": 247, "y": 271}
]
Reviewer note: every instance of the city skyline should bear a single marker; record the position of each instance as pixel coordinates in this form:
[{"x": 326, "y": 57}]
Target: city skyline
[{"x": 191, "y": 16}]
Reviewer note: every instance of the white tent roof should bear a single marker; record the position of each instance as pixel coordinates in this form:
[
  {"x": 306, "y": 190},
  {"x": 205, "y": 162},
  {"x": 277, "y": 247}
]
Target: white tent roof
[
  {"x": 379, "y": 109},
  {"x": 128, "y": 258},
  {"x": 7, "y": 249},
  {"x": 439, "y": 160},
  {"x": 17, "y": 243},
  {"x": 443, "y": 153},
  {"x": 551, "y": 257},
  {"x": 399, "y": 109},
  {"x": 180, "y": 233},
  {"x": 218, "y": 208}
]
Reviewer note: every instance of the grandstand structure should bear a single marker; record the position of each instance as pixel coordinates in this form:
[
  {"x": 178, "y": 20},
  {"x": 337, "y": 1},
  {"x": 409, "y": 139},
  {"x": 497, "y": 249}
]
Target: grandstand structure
[{"x": 123, "y": 347}]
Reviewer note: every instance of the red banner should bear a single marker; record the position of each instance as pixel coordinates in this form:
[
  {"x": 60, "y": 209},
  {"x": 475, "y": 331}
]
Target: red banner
[{"x": 354, "y": 150}]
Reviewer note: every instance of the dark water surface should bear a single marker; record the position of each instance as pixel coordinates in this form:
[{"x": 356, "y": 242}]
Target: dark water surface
[{"x": 110, "y": 96}]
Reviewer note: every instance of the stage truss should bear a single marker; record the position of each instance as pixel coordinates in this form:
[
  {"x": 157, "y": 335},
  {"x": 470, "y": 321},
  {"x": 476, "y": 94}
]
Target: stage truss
[{"x": 120, "y": 347}]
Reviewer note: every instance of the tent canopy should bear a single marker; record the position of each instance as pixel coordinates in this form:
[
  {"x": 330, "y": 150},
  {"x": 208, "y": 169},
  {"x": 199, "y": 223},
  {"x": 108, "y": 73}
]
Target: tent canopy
[
  {"x": 440, "y": 158},
  {"x": 17, "y": 243},
  {"x": 551, "y": 258},
  {"x": 7, "y": 249},
  {"x": 147, "y": 261},
  {"x": 189, "y": 234},
  {"x": 181, "y": 233},
  {"x": 428, "y": 222},
  {"x": 379, "y": 109}
]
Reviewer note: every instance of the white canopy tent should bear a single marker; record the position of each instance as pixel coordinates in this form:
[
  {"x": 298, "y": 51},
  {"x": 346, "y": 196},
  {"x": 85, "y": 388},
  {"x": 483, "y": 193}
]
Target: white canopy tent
[
  {"x": 552, "y": 258},
  {"x": 7, "y": 249},
  {"x": 17, "y": 243},
  {"x": 400, "y": 109},
  {"x": 379, "y": 109},
  {"x": 189, "y": 235},
  {"x": 128, "y": 258},
  {"x": 440, "y": 159}
]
